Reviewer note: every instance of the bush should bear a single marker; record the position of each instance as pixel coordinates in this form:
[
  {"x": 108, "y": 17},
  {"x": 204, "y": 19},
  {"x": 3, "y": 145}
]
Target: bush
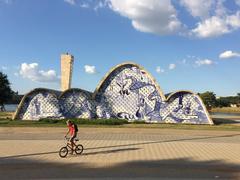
[
  {"x": 86, "y": 121},
  {"x": 138, "y": 122},
  {"x": 50, "y": 121}
]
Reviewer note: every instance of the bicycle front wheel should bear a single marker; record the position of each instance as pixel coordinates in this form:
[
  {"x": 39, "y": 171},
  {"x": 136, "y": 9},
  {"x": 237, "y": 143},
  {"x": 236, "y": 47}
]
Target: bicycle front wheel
[
  {"x": 79, "y": 149},
  {"x": 63, "y": 152}
]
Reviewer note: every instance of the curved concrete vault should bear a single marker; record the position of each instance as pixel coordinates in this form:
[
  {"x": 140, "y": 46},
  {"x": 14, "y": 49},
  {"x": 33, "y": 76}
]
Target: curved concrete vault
[{"x": 128, "y": 91}]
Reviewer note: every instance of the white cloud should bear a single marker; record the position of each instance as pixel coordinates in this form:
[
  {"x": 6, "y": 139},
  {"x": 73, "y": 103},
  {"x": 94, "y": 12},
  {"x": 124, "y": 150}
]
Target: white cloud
[
  {"x": 198, "y": 8},
  {"x": 93, "y": 4},
  {"x": 151, "y": 16},
  {"x": 171, "y": 66},
  {"x": 84, "y": 5},
  {"x": 213, "y": 26},
  {"x": 219, "y": 23},
  {"x": 237, "y": 2},
  {"x": 160, "y": 17},
  {"x": 100, "y": 4},
  {"x": 90, "y": 69},
  {"x": 72, "y": 2},
  {"x": 159, "y": 70},
  {"x": 216, "y": 26},
  {"x": 220, "y": 9},
  {"x": 4, "y": 68},
  {"x": 229, "y": 54},
  {"x": 204, "y": 62},
  {"x": 234, "y": 20},
  {"x": 32, "y": 72}
]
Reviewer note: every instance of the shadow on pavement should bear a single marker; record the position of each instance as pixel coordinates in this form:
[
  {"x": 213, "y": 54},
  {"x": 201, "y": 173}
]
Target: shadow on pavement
[
  {"x": 110, "y": 151},
  {"x": 84, "y": 153},
  {"x": 170, "y": 168}
]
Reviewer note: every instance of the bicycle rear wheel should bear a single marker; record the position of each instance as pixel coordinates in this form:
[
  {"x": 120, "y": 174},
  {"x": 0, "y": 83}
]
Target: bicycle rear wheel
[
  {"x": 63, "y": 152},
  {"x": 79, "y": 149}
]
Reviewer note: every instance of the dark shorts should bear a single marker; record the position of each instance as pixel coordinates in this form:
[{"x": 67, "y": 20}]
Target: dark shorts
[{"x": 73, "y": 137}]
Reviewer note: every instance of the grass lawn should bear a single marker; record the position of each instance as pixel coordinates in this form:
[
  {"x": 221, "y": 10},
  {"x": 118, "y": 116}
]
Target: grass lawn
[
  {"x": 5, "y": 115},
  {"x": 220, "y": 124}
]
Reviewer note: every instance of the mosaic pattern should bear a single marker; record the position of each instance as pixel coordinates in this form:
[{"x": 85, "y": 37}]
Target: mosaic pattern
[
  {"x": 128, "y": 92},
  {"x": 184, "y": 107},
  {"x": 76, "y": 103},
  {"x": 40, "y": 104}
]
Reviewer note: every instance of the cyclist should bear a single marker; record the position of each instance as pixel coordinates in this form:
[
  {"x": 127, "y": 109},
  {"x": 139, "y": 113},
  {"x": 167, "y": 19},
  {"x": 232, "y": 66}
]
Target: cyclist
[{"x": 72, "y": 129}]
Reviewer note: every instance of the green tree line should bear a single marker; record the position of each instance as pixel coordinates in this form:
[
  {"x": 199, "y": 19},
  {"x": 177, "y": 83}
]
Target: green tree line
[
  {"x": 210, "y": 100},
  {"x": 7, "y": 95}
]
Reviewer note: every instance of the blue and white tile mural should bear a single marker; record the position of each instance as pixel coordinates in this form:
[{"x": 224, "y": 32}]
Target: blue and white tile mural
[
  {"x": 185, "y": 107},
  {"x": 127, "y": 92},
  {"x": 76, "y": 103},
  {"x": 130, "y": 94},
  {"x": 39, "y": 103}
]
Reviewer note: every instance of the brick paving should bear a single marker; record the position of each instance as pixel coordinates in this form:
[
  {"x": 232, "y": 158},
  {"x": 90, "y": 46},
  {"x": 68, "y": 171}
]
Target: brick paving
[{"x": 121, "y": 153}]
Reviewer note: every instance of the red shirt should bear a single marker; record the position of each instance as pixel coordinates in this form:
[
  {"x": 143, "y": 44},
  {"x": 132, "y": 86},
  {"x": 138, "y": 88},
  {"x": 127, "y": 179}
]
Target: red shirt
[{"x": 71, "y": 129}]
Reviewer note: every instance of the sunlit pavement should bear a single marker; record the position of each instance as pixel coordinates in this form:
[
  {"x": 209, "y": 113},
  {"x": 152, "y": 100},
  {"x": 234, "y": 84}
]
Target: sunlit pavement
[{"x": 32, "y": 153}]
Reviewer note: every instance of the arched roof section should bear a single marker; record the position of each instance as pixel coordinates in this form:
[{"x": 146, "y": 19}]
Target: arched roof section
[
  {"x": 115, "y": 68},
  {"x": 34, "y": 91},
  {"x": 172, "y": 95},
  {"x": 77, "y": 103},
  {"x": 75, "y": 90}
]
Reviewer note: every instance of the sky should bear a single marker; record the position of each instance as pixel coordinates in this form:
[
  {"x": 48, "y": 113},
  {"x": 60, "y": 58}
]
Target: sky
[{"x": 185, "y": 45}]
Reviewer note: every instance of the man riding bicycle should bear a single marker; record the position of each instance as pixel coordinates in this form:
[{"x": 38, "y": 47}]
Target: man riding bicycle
[
  {"x": 72, "y": 129},
  {"x": 71, "y": 146}
]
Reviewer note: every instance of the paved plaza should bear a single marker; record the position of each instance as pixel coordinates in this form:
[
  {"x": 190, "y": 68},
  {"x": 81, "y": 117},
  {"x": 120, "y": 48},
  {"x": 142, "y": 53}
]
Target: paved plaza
[{"x": 32, "y": 153}]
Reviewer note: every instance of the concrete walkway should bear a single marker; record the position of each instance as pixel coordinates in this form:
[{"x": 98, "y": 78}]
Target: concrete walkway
[{"x": 32, "y": 153}]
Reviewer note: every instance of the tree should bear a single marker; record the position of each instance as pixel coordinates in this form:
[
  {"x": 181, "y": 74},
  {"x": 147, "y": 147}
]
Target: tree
[
  {"x": 5, "y": 90},
  {"x": 223, "y": 102},
  {"x": 16, "y": 98},
  {"x": 238, "y": 96},
  {"x": 209, "y": 99}
]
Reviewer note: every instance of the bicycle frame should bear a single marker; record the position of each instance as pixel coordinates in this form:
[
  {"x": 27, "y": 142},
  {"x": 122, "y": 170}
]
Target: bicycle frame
[{"x": 69, "y": 145}]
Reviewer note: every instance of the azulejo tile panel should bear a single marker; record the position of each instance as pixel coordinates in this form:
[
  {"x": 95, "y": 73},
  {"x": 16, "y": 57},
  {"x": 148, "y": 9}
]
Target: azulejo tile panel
[
  {"x": 127, "y": 92},
  {"x": 76, "y": 103},
  {"x": 38, "y": 104}
]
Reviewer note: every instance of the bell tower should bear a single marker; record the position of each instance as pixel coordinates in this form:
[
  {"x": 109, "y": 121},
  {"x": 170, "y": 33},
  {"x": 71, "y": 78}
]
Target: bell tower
[{"x": 66, "y": 71}]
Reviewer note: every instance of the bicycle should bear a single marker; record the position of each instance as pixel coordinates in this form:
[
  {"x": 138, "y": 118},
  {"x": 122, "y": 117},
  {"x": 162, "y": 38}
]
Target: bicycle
[{"x": 63, "y": 152}]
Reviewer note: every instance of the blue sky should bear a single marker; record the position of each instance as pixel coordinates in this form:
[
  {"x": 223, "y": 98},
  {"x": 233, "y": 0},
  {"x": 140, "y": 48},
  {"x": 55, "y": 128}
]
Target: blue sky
[{"x": 187, "y": 44}]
